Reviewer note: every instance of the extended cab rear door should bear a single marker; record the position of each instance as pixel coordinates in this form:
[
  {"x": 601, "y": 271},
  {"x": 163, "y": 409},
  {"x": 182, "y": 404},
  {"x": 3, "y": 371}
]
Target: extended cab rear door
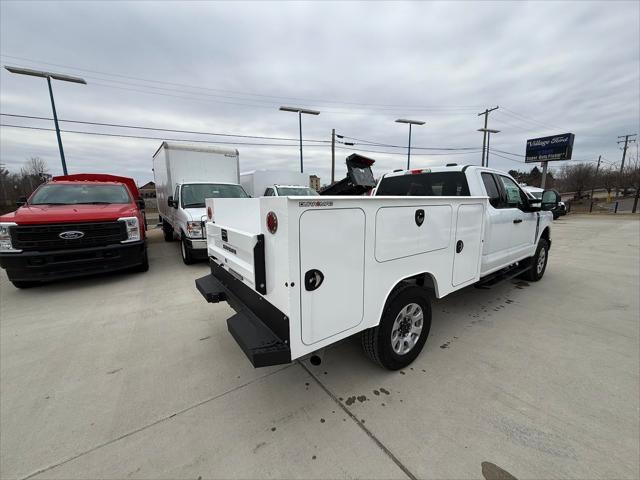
[{"x": 523, "y": 225}]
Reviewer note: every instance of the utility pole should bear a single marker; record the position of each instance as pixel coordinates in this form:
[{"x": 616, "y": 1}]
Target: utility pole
[
  {"x": 624, "y": 154},
  {"x": 593, "y": 186},
  {"x": 333, "y": 155},
  {"x": 484, "y": 135}
]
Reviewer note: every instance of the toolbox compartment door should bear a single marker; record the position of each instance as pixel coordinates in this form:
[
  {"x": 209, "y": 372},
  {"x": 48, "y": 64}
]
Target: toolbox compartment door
[
  {"x": 468, "y": 243},
  {"x": 332, "y": 243}
]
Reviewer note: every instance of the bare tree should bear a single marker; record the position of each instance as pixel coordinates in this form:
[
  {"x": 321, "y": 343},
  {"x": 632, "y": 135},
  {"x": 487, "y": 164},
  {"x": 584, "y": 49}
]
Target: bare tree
[
  {"x": 576, "y": 177},
  {"x": 608, "y": 179}
]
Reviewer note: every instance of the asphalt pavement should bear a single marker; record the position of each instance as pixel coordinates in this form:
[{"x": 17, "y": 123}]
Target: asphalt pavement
[{"x": 134, "y": 375}]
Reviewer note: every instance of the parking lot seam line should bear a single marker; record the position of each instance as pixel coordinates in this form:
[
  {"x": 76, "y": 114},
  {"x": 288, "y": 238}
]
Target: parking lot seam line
[
  {"x": 369, "y": 433},
  {"x": 156, "y": 422}
]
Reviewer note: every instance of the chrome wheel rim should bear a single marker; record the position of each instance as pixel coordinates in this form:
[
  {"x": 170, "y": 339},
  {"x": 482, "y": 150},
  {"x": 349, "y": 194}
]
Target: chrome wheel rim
[
  {"x": 542, "y": 257},
  {"x": 407, "y": 328}
]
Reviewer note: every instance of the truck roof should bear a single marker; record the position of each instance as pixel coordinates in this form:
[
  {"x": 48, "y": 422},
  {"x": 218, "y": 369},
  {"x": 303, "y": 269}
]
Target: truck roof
[
  {"x": 194, "y": 147},
  {"x": 102, "y": 178},
  {"x": 441, "y": 168}
]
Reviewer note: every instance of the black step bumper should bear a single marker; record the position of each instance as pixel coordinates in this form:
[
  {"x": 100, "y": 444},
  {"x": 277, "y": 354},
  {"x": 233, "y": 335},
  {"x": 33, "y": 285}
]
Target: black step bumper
[
  {"x": 259, "y": 328},
  {"x": 58, "y": 264}
]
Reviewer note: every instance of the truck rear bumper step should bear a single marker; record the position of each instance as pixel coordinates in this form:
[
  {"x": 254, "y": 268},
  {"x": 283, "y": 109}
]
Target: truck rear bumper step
[
  {"x": 260, "y": 342},
  {"x": 257, "y": 341},
  {"x": 211, "y": 289}
]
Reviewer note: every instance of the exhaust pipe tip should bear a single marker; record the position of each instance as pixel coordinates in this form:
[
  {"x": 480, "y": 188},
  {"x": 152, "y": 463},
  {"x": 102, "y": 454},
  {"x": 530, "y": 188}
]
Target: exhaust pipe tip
[{"x": 315, "y": 360}]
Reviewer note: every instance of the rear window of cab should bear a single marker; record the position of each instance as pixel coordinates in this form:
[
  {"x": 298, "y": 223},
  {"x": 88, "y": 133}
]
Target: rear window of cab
[{"x": 426, "y": 184}]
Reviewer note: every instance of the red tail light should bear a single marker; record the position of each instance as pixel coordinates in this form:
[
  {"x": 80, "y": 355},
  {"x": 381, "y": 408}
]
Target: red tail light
[
  {"x": 209, "y": 213},
  {"x": 272, "y": 222}
]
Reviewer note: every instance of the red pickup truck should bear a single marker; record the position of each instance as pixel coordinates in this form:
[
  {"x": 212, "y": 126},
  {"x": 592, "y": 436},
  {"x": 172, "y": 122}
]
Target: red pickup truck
[{"x": 74, "y": 225}]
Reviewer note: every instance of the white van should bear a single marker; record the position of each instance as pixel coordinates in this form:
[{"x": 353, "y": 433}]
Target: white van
[
  {"x": 185, "y": 176},
  {"x": 276, "y": 183}
]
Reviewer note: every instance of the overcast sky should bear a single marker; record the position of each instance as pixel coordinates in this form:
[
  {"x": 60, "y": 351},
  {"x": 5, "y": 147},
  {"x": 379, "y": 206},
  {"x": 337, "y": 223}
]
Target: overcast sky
[{"x": 226, "y": 68}]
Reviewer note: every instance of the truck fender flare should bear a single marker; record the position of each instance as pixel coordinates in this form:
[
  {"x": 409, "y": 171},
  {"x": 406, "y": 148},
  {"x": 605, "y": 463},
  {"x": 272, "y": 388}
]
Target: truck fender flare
[{"x": 424, "y": 279}]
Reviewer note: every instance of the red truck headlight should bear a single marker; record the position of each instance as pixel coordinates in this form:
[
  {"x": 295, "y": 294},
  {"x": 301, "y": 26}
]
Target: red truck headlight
[
  {"x": 5, "y": 238},
  {"x": 133, "y": 229}
]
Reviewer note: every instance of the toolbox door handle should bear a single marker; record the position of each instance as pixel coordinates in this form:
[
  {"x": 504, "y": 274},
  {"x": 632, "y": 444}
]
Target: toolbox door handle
[{"x": 313, "y": 279}]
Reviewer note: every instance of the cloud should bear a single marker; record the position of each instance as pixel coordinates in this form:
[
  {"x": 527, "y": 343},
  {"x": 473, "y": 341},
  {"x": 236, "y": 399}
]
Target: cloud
[{"x": 226, "y": 67}]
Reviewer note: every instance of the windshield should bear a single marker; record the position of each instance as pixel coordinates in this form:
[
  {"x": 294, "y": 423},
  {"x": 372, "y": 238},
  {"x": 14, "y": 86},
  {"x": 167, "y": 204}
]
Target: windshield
[
  {"x": 293, "y": 191},
  {"x": 194, "y": 194},
  {"x": 66, "y": 194},
  {"x": 448, "y": 184}
]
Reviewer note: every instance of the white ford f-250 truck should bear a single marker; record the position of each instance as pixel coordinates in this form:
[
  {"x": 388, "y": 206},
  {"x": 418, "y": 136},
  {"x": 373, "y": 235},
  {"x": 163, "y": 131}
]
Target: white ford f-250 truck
[{"x": 305, "y": 272}]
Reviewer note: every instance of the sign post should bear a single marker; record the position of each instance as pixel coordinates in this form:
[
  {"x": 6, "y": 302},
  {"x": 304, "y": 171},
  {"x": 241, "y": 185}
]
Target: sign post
[{"x": 546, "y": 149}]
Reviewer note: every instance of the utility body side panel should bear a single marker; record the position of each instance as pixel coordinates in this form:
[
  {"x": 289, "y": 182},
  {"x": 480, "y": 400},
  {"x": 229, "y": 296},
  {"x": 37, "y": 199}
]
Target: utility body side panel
[{"x": 340, "y": 237}]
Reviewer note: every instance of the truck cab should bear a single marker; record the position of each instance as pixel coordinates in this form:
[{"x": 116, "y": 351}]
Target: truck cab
[
  {"x": 74, "y": 225},
  {"x": 513, "y": 219},
  {"x": 187, "y": 214}
]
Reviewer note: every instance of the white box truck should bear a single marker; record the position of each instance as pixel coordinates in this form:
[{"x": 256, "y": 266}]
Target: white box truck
[
  {"x": 276, "y": 183},
  {"x": 185, "y": 176}
]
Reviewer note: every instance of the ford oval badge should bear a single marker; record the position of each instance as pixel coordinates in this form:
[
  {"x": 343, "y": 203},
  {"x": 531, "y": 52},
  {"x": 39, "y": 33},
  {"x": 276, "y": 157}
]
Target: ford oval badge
[{"x": 71, "y": 235}]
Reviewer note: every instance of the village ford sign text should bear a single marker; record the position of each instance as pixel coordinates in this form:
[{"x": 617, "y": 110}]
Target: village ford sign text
[{"x": 556, "y": 147}]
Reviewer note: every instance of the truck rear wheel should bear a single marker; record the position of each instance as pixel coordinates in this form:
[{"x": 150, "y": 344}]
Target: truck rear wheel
[
  {"x": 167, "y": 230},
  {"x": 403, "y": 330},
  {"x": 538, "y": 262}
]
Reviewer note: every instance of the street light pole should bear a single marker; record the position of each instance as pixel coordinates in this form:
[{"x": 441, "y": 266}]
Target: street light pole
[
  {"x": 487, "y": 132},
  {"x": 300, "y": 111},
  {"x": 55, "y": 120},
  {"x": 49, "y": 76},
  {"x": 410, "y": 122}
]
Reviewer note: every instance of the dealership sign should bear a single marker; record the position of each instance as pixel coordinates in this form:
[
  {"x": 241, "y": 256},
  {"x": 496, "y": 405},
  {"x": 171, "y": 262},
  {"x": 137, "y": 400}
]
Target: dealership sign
[{"x": 557, "y": 147}]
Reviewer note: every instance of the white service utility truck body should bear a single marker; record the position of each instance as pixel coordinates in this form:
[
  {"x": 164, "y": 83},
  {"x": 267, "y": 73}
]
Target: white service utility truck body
[
  {"x": 266, "y": 183},
  {"x": 185, "y": 175},
  {"x": 305, "y": 272}
]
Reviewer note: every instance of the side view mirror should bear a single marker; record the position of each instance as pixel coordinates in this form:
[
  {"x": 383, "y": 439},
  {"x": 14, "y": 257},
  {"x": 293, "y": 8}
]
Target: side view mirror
[
  {"x": 170, "y": 202},
  {"x": 550, "y": 200},
  {"x": 141, "y": 203},
  {"x": 21, "y": 201}
]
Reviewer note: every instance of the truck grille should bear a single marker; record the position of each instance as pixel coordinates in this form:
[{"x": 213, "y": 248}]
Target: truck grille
[{"x": 47, "y": 237}]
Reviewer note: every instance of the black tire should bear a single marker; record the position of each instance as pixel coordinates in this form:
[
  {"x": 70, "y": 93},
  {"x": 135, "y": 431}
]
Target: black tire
[
  {"x": 144, "y": 266},
  {"x": 538, "y": 267},
  {"x": 377, "y": 342},
  {"x": 167, "y": 230},
  {"x": 186, "y": 252},
  {"x": 19, "y": 284}
]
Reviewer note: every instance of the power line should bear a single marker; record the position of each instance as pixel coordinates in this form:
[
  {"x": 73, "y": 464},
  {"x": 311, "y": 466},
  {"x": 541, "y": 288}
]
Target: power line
[
  {"x": 372, "y": 143},
  {"x": 138, "y": 127},
  {"x": 158, "y": 138}
]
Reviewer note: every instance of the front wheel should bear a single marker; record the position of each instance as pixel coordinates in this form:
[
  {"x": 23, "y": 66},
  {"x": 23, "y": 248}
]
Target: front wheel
[
  {"x": 402, "y": 332},
  {"x": 186, "y": 252},
  {"x": 538, "y": 262},
  {"x": 144, "y": 266}
]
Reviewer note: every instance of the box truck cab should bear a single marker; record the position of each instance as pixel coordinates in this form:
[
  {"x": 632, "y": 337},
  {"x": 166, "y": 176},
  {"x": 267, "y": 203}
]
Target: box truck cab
[
  {"x": 276, "y": 183},
  {"x": 185, "y": 176}
]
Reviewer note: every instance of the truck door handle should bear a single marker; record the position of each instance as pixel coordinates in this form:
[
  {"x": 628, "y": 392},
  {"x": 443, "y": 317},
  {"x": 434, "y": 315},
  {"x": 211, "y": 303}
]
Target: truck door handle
[
  {"x": 517, "y": 220},
  {"x": 313, "y": 279}
]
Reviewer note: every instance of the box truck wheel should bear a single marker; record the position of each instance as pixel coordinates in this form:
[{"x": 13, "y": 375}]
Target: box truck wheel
[
  {"x": 185, "y": 251},
  {"x": 167, "y": 230},
  {"x": 402, "y": 331}
]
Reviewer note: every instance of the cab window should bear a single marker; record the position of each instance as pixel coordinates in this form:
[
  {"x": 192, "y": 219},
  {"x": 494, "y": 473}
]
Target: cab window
[
  {"x": 492, "y": 189},
  {"x": 268, "y": 192},
  {"x": 514, "y": 197}
]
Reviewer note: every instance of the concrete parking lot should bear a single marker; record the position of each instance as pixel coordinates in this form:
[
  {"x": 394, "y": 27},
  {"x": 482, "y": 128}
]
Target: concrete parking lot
[{"x": 135, "y": 376}]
